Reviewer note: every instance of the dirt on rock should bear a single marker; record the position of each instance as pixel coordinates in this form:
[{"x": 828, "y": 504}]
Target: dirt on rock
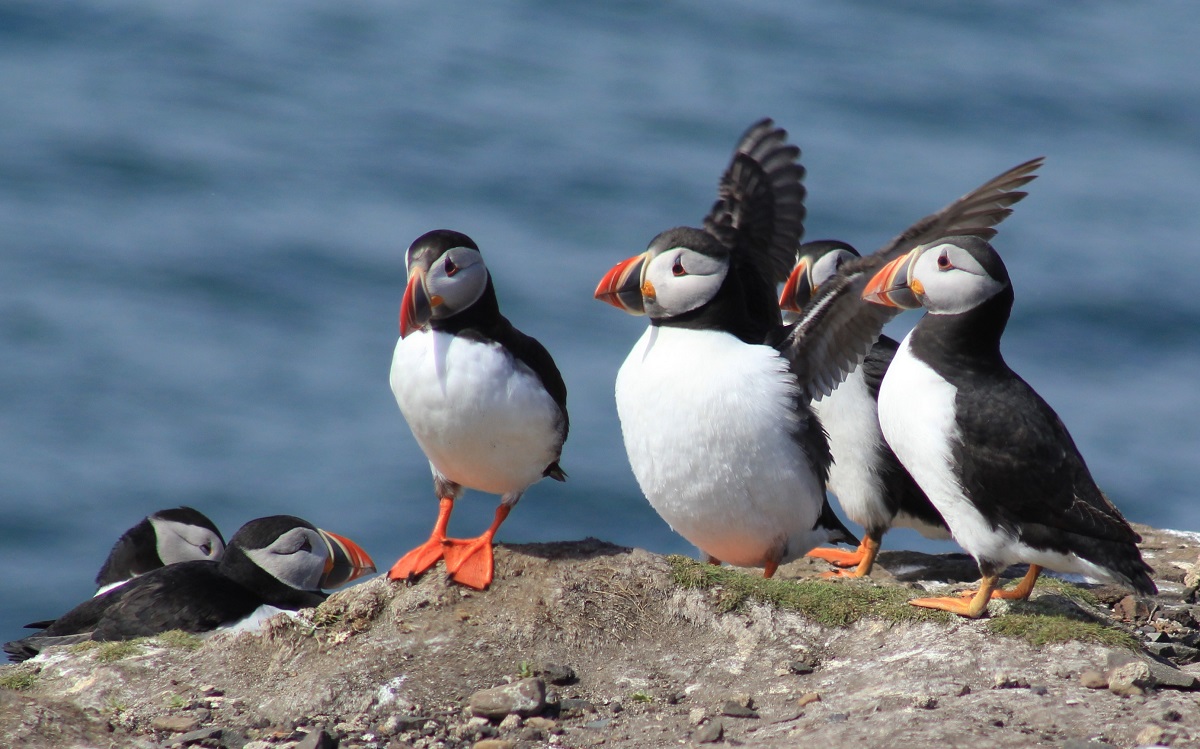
[{"x": 598, "y": 645}]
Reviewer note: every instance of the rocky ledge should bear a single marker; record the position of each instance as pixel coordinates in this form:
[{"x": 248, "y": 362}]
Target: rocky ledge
[{"x": 588, "y": 644}]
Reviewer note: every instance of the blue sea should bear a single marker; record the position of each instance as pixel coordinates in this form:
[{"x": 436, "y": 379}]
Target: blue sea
[{"x": 204, "y": 208}]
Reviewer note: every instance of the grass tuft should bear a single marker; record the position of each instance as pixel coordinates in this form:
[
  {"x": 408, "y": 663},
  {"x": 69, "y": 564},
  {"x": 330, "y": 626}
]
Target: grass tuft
[
  {"x": 179, "y": 640},
  {"x": 19, "y": 681},
  {"x": 1048, "y": 622},
  {"x": 831, "y": 603}
]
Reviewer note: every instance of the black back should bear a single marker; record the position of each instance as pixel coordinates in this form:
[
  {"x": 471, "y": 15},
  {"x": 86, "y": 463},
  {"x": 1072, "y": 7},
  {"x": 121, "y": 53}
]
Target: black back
[
  {"x": 136, "y": 551},
  {"x": 1015, "y": 459}
]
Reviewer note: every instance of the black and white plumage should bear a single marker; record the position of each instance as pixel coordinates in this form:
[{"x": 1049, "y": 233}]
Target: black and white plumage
[
  {"x": 485, "y": 402},
  {"x": 994, "y": 458},
  {"x": 718, "y": 430},
  {"x": 872, "y": 487},
  {"x": 280, "y": 562},
  {"x": 177, "y": 534}
]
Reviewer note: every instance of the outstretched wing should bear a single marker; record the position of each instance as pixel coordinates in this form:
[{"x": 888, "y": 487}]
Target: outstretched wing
[
  {"x": 759, "y": 214},
  {"x": 837, "y": 327}
]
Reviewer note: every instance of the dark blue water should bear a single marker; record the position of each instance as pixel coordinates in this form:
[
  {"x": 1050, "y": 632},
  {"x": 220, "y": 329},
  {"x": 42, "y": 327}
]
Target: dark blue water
[{"x": 204, "y": 208}]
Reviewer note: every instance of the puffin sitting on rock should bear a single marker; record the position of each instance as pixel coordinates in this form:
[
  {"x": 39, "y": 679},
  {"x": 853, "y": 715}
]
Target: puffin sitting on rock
[
  {"x": 177, "y": 534},
  {"x": 990, "y": 453},
  {"x": 271, "y": 564}
]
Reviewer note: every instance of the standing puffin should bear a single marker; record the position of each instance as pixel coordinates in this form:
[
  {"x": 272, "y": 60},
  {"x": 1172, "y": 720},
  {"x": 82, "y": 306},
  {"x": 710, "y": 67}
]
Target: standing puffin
[
  {"x": 992, "y": 456},
  {"x": 279, "y": 561},
  {"x": 714, "y": 400},
  {"x": 484, "y": 401},
  {"x": 873, "y": 488},
  {"x": 177, "y": 534}
]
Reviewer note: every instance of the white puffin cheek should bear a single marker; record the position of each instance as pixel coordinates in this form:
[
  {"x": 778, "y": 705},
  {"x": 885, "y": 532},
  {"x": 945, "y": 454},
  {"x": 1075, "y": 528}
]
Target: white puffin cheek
[
  {"x": 452, "y": 294},
  {"x": 674, "y": 295},
  {"x": 953, "y": 291}
]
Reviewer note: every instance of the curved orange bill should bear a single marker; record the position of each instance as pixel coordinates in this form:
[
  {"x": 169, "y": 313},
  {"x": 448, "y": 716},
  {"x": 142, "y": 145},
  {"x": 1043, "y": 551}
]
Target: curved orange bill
[
  {"x": 417, "y": 307},
  {"x": 799, "y": 289},
  {"x": 622, "y": 286},
  {"x": 890, "y": 287},
  {"x": 347, "y": 561}
]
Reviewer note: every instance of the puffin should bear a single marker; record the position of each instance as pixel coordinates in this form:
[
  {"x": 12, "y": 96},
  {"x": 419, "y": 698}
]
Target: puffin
[
  {"x": 485, "y": 402},
  {"x": 176, "y": 534},
  {"x": 989, "y": 452},
  {"x": 715, "y": 398},
  {"x": 872, "y": 487},
  {"x": 279, "y": 562}
]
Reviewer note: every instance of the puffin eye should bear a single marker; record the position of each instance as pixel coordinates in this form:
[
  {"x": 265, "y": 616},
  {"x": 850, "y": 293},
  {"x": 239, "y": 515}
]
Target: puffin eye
[
  {"x": 943, "y": 262},
  {"x": 677, "y": 268},
  {"x": 205, "y": 549},
  {"x": 451, "y": 268}
]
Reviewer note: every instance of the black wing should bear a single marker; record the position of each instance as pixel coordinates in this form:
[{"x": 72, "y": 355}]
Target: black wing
[
  {"x": 837, "y": 328},
  {"x": 1023, "y": 472}
]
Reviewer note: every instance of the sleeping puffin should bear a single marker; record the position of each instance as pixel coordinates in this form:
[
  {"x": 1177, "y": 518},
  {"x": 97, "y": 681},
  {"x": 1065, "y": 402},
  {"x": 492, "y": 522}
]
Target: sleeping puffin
[
  {"x": 873, "y": 488},
  {"x": 279, "y": 561},
  {"x": 485, "y": 402},
  {"x": 992, "y": 456},
  {"x": 177, "y": 534},
  {"x": 714, "y": 399}
]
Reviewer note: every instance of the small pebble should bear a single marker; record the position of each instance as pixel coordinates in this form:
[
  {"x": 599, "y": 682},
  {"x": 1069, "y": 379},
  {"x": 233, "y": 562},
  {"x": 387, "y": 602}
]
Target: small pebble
[
  {"x": 710, "y": 733},
  {"x": 1093, "y": 680},
  {"x": 800, "y": 668},
  {"x": 734, "y": 709},
  {"x": 511, "y": 722},
  {"x": 317, "y": 739},
  {"x": 1040, "y": 690},
  {"x": 838, "y": 718},
  {"x": 808, "y": 698},
  {"x": 559, "y": 674},
  {"x": 696, "y": 716}
]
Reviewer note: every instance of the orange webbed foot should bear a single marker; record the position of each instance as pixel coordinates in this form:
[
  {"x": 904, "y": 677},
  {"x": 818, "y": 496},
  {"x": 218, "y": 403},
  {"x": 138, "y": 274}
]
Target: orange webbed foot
[
  {"x": 838, "y": 557},
  {"x": 972, "y": 609},
  {"x": 471, "y": 562},
  {"x": 418, "y": 560}
]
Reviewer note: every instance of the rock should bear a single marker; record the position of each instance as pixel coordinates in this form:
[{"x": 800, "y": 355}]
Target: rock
[
  {"x": 1191, "y": 578},
  {"x": 1130, "y": 679},
  {"x": 1004, "y": 680},
  {"x": 203, "y": 734},
  {"x": 802, "y": 667},
  {"x": 525, "y": 697},
  {"x": 807, "y": 699},
  {"x": 925, "y": 702},
  {"x": 838, "y": 718},
  {"x": 1093, "y": 680},
  {"x": 511, "y": 722},
  {"x": 543, "y": 724},
  {"x": 493, "y": 744},
  {"x": 317, "y": 739},
  {"x": 557, "y": 674},
  {"x": 1086, "y": 744},
  {"x": 572, "y": 706},
  {"x": 710, "y": 733},
  {"x": 1151, "y": 735},
  {"x": 1131, "y": 608},
  {"x": 735, "y": 709},
  {"x": 175, "y": 723},
  {"x": 1164, "y": 675}
]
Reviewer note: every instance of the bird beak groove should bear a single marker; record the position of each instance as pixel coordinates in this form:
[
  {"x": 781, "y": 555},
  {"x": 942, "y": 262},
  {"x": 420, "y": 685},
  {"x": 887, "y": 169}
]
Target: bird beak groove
[
  {"x": 622, "y": 286},
  {"x": 799, "y": 289},
  {"x": 417, "y": 306},
  {"x": 347, "y": 561},
  {"x": 892, "y": 285}
]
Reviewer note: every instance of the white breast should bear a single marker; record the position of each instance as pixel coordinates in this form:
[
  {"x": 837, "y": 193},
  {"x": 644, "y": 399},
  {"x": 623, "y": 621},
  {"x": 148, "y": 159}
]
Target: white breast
[
  {"x": 850, "y": 419},
  {"x": 707, "y": 422},
  {"x": 917, "y": 414},
  {"x": 482, "y": 418}
]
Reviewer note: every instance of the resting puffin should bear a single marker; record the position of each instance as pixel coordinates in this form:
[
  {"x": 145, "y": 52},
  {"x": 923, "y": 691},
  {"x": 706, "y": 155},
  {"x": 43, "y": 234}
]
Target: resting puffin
[
  {"x": 714, "y": 398},
  {"x": 992, "y": 456},
  {"x": 873, "y": 488},
  {"x": 484, "y": 401},
  {"x": 177, "y": 534},
  {"x": 279, "y": 561}
]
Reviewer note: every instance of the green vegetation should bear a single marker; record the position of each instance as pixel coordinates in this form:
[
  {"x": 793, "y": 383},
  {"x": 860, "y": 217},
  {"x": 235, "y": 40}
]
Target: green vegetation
[
  {"x": 179, "y": 640},
  {"x": 1059, "y": 618},
  {"x": 641, "y": 696},
  {"x": 525, "y": 670},
  {"x": 19, "y": 681},
  {"x": 831, "y": 603}
]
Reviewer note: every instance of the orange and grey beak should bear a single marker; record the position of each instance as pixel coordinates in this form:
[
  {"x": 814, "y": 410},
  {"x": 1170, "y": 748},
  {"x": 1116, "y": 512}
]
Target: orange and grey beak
[
  {"x": 622, "y": 286},
  {"x": 799, "y": 288},
  {"x": 417, "y": 306},
  {"x": 347, "y": 561},
  {"x": 893, "y": 285}
]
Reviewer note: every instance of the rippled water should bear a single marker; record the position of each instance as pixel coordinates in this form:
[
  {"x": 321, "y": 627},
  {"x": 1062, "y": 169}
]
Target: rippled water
[{"x": 204, "y": 208}]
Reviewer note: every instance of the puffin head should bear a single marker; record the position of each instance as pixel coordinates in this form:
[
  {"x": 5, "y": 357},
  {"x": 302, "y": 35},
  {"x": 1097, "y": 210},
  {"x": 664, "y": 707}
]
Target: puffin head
[
  {"x": 816, "y": 263},
  {"x": 682, "y": 270},
  {"x": 949, "y": 276},
  {"x": 446, "y": 275},
  {"x": 297, "y": 553}
]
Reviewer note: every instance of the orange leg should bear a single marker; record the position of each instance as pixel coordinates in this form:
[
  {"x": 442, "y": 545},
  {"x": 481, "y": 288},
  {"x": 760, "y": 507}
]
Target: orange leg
[
  {"x": 1018, "y": 593},
  {"x": 470, "y": 561},
  {"x": 426, "y": 555},
  {"x": 770, "y": 567},
  {"x": 867, "y": 551},
  {"x": 973, "y": 608}
]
